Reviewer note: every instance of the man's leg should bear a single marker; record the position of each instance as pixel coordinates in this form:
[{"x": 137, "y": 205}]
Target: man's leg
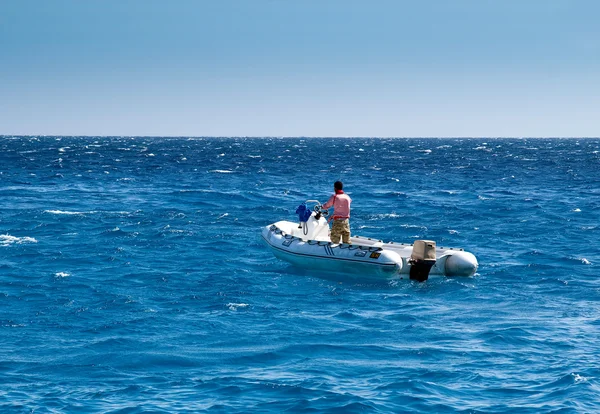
[
  {"x": 346, "y": 231},
  {"x": 336, "y": 231}
]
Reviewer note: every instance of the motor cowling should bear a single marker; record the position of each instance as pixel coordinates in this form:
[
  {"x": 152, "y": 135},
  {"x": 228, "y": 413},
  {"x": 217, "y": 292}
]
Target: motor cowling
[{"x": 422, "y": 259}]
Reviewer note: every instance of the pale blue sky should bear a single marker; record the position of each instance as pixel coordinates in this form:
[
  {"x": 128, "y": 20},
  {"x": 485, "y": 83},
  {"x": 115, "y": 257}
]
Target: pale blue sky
[{"x": 399, "y": 68}]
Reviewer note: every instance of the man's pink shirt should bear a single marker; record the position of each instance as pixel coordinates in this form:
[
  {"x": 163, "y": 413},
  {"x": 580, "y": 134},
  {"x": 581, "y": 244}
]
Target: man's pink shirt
[{"x": 340, "y": 203}]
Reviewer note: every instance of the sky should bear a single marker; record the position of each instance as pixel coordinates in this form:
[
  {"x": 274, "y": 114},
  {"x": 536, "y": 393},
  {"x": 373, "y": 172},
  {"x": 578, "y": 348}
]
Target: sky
[{"x": 371, "y": 68}]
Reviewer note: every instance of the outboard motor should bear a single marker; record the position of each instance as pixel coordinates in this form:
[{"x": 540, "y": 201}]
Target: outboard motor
[{"x": 422, "y": 259}]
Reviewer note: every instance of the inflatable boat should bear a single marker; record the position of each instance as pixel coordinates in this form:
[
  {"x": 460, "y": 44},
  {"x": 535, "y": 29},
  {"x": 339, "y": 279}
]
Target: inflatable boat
[{"x": 306, "y": 244}]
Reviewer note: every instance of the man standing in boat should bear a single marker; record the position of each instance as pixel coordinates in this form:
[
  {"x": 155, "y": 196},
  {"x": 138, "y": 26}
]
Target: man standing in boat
[{"x": 341, "y": 214}]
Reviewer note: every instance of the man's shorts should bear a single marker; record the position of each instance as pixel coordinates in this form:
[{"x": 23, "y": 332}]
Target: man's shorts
[{"x": 340, "y": 228}]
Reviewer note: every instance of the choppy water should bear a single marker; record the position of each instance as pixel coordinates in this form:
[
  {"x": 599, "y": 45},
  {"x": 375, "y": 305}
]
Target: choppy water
[{"x": 133, "y": 278}]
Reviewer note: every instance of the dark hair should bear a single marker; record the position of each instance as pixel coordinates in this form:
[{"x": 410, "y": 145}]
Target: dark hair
[{"x": 338, "y": 185}]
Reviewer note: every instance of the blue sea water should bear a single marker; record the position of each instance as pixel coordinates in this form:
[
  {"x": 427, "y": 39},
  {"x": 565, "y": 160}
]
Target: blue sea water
[{"x": 133, "y": 278}]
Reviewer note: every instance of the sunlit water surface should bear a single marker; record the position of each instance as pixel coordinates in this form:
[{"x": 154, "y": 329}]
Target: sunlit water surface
[{"x": 133, "y": 277}]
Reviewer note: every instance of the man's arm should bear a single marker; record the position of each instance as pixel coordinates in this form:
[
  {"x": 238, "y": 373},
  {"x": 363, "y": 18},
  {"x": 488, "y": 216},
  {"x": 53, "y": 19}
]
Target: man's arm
[{"x": 329, "y": 203}]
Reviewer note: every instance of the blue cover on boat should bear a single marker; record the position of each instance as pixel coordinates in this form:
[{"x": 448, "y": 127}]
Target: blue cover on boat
[{"x": 303, "y": 212}]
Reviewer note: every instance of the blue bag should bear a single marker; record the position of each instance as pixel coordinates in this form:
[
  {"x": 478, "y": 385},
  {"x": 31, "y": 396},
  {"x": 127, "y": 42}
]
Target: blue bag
[{"x": 303, "y": 212}]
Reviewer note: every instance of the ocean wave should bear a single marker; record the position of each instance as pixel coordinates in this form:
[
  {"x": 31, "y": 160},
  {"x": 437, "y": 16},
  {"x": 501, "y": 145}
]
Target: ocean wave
[
  {"x": 413, "y": 226},
  {"x": 68, "y": 213},
  {"x": 7, "y": 239},
  {"x": 236, "y": 306},
  {"x": 384, "y": 216},
  {"x": 369, "y": 227},
  {"x": 83, "y": 213}
]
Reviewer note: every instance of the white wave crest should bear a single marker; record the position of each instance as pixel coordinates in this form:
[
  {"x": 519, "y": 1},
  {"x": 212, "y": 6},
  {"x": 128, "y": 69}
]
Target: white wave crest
[
  {"x": 63, "y": 212},
  {"x": 413, "y": 226},
  {"x": 62, "y": 274},
  {"x": 369, "y": 227},
  {"x": 235, "y": 306},
  {"x": 7, "y": 239},
  {"x": 81, "y": 213},
  {"x": 384, "y": 216},
  {"x": 221, "y": 171}
]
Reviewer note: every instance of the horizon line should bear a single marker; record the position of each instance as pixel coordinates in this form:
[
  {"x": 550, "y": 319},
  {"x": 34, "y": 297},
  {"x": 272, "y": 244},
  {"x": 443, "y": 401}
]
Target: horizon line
[{"x": 291, "y": 136}]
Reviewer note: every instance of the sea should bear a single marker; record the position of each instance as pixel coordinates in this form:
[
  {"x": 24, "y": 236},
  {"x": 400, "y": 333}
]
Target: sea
[{"x": 133, "y": 277}]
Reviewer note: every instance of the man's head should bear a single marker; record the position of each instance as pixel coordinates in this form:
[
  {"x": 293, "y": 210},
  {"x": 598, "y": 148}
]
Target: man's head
[{"x": 338, "y": 185}]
